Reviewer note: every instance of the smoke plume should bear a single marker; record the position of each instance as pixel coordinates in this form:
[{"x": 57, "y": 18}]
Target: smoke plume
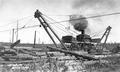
[
  {"x": 94, "y": 3},
  {"x": 79, "y": 22}
]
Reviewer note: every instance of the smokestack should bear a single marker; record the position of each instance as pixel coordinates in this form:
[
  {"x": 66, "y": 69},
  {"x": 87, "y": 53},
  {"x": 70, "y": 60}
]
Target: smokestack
[{"x": 82, "y": 31}]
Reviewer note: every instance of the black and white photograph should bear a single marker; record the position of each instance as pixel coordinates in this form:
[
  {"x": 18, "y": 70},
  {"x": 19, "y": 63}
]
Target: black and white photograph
[{"x": 59, "y": 36}]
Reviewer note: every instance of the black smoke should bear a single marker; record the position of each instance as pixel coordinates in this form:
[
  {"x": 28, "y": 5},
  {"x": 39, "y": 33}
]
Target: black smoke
[
  {"x": 94, "y": 3},
  {"x": 79, "y": 22}
]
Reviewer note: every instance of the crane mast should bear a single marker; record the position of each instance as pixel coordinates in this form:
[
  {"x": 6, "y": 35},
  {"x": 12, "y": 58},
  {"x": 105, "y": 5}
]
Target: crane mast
[
  {"x": 107, "y": 32},
  {"x": 45, "y": 25}
]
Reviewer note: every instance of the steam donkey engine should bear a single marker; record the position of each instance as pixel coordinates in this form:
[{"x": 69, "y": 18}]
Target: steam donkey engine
[{"x": 81, "y": 41}]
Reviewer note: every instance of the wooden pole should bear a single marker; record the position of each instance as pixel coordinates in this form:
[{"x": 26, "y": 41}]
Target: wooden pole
[
  {"x": 17, "y": 31},
  {"x": 34, "y": 39},
  {"x": 12, "y": 35}
]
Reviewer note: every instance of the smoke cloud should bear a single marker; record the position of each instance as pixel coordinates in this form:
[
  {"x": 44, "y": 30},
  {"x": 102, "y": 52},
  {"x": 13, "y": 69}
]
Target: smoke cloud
[
  {"x": 96, "y": 7},
  {"x": 79, "y": 22},
  {"x": 94, "y": 3}
]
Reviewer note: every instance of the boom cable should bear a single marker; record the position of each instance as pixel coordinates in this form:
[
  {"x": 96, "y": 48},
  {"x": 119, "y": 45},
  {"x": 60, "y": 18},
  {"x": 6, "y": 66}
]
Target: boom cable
[
  {"x": 117, "y": 13},
  {"x": 21, "y": 28},
  {"x": 60, "y": 24},
  {"x": 62, "y": 21},
  {"x": 15, "y": 21}
]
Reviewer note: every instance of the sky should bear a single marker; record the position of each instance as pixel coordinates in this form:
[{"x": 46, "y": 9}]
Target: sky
[{"x": 21, "y": 12}]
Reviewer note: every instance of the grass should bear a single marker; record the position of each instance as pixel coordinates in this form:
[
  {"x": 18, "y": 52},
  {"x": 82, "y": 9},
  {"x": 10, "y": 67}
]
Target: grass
[{"x": 113, "y": 66}]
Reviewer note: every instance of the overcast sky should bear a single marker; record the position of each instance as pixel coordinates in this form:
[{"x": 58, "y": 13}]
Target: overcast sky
[{"x": 23, "y": 11}]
